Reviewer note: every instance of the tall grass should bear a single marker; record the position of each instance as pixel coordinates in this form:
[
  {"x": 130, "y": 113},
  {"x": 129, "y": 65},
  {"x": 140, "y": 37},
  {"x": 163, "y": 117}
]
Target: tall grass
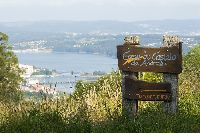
[{"x": 96, "y": 107}]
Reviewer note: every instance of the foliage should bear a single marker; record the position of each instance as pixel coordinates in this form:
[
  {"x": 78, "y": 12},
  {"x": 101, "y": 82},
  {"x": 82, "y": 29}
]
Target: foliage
[
  {"x": 9, "y": 72},
  {"x": 99, "y": 73},
  {"x": 150, "y": 76},
  {"x": 43, "y": 72},
  {"x": 191, "y": 64},
  {"x": 3, "y": 37},
  {"x": 96, "y": 107},
  {"x": 192, "y": 60}
]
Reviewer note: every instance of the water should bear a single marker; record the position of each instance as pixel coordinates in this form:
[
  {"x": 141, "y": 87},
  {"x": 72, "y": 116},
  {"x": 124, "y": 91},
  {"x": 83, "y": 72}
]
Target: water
[{"x": 67, "y": 62}]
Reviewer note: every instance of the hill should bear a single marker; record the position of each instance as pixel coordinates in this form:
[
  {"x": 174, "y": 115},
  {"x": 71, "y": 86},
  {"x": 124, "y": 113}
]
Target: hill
[
  {"x": 156, "y": 26},
  {"x": 96, "y": 107}
]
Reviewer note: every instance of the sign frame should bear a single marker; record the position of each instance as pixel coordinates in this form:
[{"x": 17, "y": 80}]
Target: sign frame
[
  {"x": 143, "y": 59},
  {"x": 147, "y": 91}
]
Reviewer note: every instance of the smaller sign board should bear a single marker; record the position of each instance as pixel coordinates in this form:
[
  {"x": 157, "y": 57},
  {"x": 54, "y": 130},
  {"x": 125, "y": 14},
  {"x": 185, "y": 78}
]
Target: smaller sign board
[
  {"x": 140, "y": 59},
  {"x": 145, "y": 91}
]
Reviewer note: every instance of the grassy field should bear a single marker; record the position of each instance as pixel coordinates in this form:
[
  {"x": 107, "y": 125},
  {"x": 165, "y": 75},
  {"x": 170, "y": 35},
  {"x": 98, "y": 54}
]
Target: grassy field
[{"x": 96, "y": 107}]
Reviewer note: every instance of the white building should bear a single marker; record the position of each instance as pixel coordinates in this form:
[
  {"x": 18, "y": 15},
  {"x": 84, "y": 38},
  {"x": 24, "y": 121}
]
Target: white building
[{"x": 28, "y": 70}]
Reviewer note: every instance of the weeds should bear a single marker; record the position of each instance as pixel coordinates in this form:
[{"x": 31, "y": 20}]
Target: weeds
[{"x": 96, "y": 107}]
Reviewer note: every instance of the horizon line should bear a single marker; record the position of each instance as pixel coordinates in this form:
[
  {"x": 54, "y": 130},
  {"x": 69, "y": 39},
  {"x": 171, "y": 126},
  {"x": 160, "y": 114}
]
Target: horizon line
[{"x": 100, "y": 20}]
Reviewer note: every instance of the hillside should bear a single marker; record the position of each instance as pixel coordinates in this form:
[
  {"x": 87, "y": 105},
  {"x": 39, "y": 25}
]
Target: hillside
[
  {"x": 96, "y": 36},
  {"x": 96, "y": 107},
  {"x": 154, "y": 26}
]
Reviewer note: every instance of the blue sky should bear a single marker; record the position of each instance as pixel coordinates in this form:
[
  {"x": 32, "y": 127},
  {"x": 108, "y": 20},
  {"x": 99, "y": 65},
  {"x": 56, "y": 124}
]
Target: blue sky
[{"x": 121, "y": 10}]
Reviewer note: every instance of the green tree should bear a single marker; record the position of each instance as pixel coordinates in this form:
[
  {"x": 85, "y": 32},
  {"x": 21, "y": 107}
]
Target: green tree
[
  {"x": 10, "y": 72},
  {"x": 191, "y": 65},
  {"x": 191, "y": 61}
]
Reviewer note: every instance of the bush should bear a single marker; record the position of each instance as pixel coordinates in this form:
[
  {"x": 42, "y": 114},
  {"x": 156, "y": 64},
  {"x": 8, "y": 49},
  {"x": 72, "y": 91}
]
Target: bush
[{"x": 96, "y": 107}]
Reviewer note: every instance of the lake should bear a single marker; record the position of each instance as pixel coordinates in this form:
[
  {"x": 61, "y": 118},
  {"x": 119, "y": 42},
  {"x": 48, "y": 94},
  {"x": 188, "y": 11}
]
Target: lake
[{"x": 67, "y": 62}]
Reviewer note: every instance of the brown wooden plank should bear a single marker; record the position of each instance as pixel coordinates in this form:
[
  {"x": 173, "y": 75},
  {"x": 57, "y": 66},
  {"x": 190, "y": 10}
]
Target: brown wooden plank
[
  {"x": 139, "y": 59},
  {"x": 145, "y": 91}
]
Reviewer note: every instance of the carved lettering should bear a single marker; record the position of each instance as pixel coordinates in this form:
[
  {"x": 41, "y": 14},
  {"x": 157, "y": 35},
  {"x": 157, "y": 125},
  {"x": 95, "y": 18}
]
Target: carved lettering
[
  {"x": 152, "y": 97},
  {"x": 155, "y": 59}
]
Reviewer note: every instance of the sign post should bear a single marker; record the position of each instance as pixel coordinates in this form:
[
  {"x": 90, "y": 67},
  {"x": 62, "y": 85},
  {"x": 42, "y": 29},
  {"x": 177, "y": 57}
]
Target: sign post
[
  {"x": 166, "y": 60},
  {"x": 129, "y": 106},
  {"x": 172, "y": 78}
]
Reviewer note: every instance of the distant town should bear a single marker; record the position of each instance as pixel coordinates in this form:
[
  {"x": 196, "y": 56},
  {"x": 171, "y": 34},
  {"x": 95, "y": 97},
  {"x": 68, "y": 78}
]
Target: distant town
[
  {"x": 50, "y": 81},
  {"x": 94, "y": 43}
]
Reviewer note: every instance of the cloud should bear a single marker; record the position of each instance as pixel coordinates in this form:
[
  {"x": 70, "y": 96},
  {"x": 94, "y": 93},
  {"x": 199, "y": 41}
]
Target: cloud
[
  {"x": 98, "y": 9},
  {"x": 130, "y": 3},
  {"x": 46, "y": 3}
]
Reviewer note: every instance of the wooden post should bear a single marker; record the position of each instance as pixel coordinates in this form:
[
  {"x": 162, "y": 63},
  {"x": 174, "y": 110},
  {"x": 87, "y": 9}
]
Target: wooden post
[
  {"x": 172, "y": 107},
  {"x": 129, "y": 106}
]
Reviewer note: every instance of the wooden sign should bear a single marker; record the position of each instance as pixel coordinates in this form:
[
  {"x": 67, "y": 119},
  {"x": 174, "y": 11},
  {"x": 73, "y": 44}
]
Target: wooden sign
[
  {"x": 145, "y": 91},
  {"x": 139, "y": 59}
]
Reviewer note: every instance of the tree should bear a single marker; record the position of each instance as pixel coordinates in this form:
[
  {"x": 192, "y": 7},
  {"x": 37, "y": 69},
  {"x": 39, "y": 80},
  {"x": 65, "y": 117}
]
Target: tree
[
  {"x": 191, "y": 62},
  {"x": 10, "y": 73}
]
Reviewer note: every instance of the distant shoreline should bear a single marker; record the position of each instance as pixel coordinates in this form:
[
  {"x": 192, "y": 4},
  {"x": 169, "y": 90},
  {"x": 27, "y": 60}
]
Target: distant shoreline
[{"x": 33, "y": 51}]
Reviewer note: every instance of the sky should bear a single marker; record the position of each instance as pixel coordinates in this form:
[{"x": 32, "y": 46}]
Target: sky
[{"x": 91, "y": 10}]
